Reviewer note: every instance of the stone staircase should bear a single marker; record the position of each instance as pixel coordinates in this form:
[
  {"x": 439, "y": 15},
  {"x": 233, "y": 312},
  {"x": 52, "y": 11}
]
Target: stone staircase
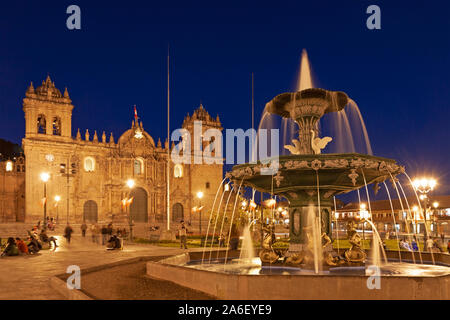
[{"x": 16, "y": 229}]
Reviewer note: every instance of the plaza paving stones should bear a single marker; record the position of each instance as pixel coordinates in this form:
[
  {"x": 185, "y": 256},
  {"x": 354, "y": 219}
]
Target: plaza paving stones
[{"x": 27, "y": 277}]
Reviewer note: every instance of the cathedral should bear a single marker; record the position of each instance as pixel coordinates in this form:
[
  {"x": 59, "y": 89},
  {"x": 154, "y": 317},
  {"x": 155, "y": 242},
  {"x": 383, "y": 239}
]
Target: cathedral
[{"x": 88, "y": 172}]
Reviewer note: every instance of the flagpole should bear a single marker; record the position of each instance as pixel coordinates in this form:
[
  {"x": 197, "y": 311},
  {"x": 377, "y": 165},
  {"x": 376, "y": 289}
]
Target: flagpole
[{"x": 168, "y": 138}]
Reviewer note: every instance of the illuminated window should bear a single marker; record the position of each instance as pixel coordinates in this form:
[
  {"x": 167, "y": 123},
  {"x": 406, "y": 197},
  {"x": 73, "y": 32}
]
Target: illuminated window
[
  {"x": 89, "y": 164},
  {"x": 138, "y": 166},
  {"x": 178, "y": 171},
  {"x": 9, "y": 166}
]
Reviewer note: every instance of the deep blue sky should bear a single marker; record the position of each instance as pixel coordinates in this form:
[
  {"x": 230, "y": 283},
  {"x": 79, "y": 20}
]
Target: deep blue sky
[{"x": 399, "y": 75}]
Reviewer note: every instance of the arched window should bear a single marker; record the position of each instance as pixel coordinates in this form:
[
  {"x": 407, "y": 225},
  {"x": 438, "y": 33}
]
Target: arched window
[
  {"x": 41, "y": 124},
  {"x": 138, "y": 166},
  {"x": 89, "y": 164},
  {"x": 56, "y": 126},
  {"x": 178, "y": 171}
]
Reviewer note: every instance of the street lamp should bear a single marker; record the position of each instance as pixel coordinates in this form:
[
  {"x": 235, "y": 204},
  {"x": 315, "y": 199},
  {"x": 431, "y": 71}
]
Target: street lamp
[
  {"x": 424, "y": 186},
  {"x": 57, "y": 199},
  {"x": 200, "y": 196},
  {"x": 45, "y": 176},
  {"x": 130, "y": 185}
]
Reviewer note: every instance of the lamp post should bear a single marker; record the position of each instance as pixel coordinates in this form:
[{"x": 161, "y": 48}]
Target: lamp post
[
  {"x": 130, "y": 185},
  {"x": 200, "y": 196},
  {"x": 45, "y": 176},
  {"x": 424, "y": 186},
  {"x": 435, "y": 206},
  {"x": 57, "y": 199},
  {"x": 364, "y": 215}
]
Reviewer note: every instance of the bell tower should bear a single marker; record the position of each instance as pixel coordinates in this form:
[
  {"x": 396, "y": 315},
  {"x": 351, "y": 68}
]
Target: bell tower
[{"x": 48, "y": 113}]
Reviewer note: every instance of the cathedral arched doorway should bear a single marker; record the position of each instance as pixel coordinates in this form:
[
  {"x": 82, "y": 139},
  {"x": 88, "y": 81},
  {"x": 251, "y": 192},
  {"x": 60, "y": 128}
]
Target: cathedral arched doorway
[
  {"x": 90, "y": 211},
  {"x": 177, "y": 212},
  {"x": 138, "y": 208}
]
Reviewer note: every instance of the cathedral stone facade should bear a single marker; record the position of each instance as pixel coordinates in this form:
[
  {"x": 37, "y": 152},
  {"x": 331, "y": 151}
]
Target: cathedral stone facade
[{"x": 89, "y": 172}]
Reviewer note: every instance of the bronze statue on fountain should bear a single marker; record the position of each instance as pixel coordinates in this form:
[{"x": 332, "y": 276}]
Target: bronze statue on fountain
[{"x": 309, "y": 179}]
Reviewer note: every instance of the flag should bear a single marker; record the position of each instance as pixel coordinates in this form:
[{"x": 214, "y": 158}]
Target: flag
[
  {"x": 135, "y": 114},
  {"x": 130, "y": 201}
]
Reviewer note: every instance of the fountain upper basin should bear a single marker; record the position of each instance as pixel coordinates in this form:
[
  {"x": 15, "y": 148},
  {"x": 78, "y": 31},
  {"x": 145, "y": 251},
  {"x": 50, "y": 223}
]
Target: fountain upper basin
[
  {"x": 313, "y": 100},
  {"x": 298, "y": 175}
]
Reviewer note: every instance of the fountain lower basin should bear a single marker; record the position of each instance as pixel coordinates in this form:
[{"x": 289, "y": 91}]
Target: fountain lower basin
[
  {"x": 401, "y": 283},
  {"x": 255, "y": 267}
]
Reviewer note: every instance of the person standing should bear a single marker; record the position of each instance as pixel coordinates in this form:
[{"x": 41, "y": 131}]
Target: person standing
[
  {"x": 182, "y": 232},
  {"x": 104, "y": 233},
  {"x": 109, "y": 230},
  {"x": 83, "y": 229},
  {"x": 430, "y": 244},
  {"x": 448, "y": 246},
  {"x": 68, "y": 232},
  {"x": 94, "y": 233}
]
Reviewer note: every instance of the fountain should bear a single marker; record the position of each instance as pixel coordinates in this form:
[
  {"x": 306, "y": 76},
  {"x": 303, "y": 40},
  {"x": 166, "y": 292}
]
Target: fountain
[{"x": 310, "y": 180}]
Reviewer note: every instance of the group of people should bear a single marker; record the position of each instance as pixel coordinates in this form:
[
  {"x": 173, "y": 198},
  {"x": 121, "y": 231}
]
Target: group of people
[
  {"x": 50, "y": 224},
  {"x": 106, "y": 232},
  {"x": 431, "y": 245},
  {"x": 32, "y": 245}
]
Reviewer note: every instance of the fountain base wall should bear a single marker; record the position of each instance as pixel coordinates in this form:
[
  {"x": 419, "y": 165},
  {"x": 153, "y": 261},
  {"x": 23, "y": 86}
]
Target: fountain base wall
[{"x": 296, "y": 287}]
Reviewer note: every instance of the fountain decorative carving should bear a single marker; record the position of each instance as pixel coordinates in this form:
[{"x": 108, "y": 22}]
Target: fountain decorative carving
[
  {"x": 354, "y": 255},
  {"x": 268, "y": 254}
]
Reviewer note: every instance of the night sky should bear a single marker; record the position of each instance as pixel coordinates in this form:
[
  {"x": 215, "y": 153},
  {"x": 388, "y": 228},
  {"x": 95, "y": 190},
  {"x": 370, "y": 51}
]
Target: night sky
[{"x": 399, "y": 75}]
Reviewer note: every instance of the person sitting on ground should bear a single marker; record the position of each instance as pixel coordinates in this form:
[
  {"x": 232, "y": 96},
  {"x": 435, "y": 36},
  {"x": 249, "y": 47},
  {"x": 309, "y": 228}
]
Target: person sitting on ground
[
  {"x": 113, "y": 243},
  {"x": 44, "y": 238},
  {"x": 33, "y": 246},
  {"x": 22, "y": 246},
  {"x": 11, "y": 248}
]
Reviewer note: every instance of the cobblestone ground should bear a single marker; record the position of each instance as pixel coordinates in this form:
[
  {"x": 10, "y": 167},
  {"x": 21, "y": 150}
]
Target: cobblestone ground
[{"x": 27, "y": 277}]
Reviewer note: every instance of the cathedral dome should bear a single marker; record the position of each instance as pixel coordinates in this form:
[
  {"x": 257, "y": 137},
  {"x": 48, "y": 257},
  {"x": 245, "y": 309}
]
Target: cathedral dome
[{"x": 136, "y": 136}]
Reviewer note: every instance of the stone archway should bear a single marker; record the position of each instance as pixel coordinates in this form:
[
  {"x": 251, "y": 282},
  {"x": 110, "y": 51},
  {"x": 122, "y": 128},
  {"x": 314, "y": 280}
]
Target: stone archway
[
  {"x": 177, "y": 212},
  {"x": 139, "y": 207},
  {"x": 90, "y": 211}
]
